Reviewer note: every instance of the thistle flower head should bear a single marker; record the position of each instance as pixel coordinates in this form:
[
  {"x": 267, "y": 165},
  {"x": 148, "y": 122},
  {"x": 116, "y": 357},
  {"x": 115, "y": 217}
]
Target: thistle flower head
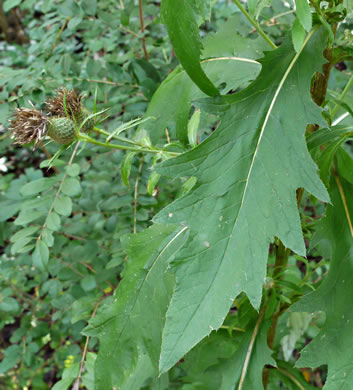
[
  {"x": 68, "y": 98},
  {"x": 27, "y": 125}
]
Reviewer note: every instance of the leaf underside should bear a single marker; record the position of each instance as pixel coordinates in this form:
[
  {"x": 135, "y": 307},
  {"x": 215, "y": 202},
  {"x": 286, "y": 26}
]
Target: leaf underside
[{"x": 247, "y": 174}]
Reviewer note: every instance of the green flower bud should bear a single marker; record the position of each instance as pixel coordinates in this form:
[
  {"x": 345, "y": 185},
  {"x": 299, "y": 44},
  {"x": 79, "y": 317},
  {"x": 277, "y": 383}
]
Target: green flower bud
[{"x": 61, "y": 130}]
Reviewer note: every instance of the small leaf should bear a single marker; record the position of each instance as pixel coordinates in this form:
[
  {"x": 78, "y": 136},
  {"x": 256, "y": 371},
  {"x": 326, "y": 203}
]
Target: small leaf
[
  {"x": 126, "y": 167},
  {"x": 90, "y": 6},
  {"x": 73, "y": 170},
  {"x": 63, "y": 205},
  {"x": 71, "y": 187},
  {"x": 304, "y": 14},
  {"x": 152, "y": 182},
  {"x": 12, "y": 357},
  {"x": 88, "y": 283},
  {"x": 24, "y": 233},
  {"x": 26, "y": 216},
  {"x": 8, "y": 209},
  {"x": 37, "y": 186},
  {"x": 298, "y": 35},
  {"x": 53, "y": 221},
  {"x": 9, "y": 304},
  {"x": 19, "y": 244},
  {"x": 193, "y": 127},
  {"x": 74, "y": 22},
  {"x": 9, "y": 4},
  {"x": 40, "y": 256},
  {"x": 52, "y": 163}
]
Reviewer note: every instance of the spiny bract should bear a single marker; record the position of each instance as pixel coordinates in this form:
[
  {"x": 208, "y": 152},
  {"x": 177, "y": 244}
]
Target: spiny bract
[{"x": 61, "y": 130}]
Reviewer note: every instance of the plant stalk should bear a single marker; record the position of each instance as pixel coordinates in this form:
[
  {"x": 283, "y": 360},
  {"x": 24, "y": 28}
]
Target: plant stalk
[
  {"x": 86, "y": 138},
  {"x": 255, "y": 24},
  {"x": 118, "y": 138}
]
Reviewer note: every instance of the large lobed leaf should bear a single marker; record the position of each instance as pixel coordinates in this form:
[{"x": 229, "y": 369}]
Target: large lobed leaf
[
  {"x": 130, "y": 329},
  {"x": 334, "y": 344},
  {"x": 248, "y": 171}
]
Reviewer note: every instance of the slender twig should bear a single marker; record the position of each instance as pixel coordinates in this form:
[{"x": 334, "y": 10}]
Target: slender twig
[
  {"x": 59, "y": 35},
  {"x": 143, "y": 30},
  {"x": 278, "y": 16},
  {"x": 58, "y": 191},
  {"x": 85, "y": 350},
  {"x": 251, "y": 346},
  {"x": 255, "y": 24},
  {"x": 129, "y": 31},
  {"x": 136, "y": 193},
  {"x": 72, "y": 236}
]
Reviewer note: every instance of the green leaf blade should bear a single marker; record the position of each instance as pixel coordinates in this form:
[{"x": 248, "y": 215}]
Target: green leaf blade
[
  {"x": 241, "y": 201},
  {"x": 141, "y": 298},
  {"x": 304, "y": 14},
  {"x": 180, "y": 17}
]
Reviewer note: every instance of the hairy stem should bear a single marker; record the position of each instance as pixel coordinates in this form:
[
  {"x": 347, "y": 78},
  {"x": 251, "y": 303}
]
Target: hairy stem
[
  {"x": 255, "y": 24},
  {"x": 86, "y": 138},
  {"x": 117, "y": 137}
]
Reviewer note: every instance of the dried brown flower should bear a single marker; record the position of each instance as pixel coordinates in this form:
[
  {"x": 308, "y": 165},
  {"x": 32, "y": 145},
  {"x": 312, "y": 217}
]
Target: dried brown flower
[
  {"x": 27, "y": 125},
  {"x": 73, "y": 103}
]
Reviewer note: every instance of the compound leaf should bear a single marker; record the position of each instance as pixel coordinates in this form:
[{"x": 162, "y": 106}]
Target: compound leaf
[{"x": 247, "y": 174}]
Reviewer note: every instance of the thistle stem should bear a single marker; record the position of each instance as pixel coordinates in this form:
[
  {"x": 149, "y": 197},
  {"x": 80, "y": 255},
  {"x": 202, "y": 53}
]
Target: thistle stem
[
  {"x": 86, "y": 138},
  {"x": 122, "y": 139},
  {"x": 255, "y": 24}
]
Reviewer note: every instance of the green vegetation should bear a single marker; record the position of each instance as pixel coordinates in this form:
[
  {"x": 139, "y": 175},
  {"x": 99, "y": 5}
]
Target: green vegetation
[{"x": 176, "y": 183}]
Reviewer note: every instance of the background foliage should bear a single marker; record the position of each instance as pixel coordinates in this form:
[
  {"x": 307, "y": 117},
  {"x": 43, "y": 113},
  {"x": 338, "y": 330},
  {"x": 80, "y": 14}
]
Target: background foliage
[{"x": 85, "y": 302}]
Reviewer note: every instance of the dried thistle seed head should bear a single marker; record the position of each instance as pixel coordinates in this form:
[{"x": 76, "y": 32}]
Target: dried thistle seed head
[
  {"x": 27, "y": 125},
  {"x": 68, "y": 98},
  {"x": 61, "y": 130}
]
